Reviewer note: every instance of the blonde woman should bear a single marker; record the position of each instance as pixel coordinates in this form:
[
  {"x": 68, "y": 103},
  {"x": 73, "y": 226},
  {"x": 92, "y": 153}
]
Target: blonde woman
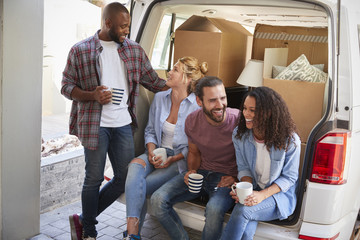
[{"x": 165, "y": 129}]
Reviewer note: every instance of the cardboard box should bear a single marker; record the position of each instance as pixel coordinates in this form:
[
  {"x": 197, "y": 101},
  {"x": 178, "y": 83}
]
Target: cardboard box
[
  {"x": 304, "y": 100},
  {"x": 224, "y": 45},
  {"x": 299, "y": 40}
]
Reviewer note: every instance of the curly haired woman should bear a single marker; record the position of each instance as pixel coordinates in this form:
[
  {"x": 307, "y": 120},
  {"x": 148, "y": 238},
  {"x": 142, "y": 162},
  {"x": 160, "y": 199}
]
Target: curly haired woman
[{"x": 267, "y": 154}]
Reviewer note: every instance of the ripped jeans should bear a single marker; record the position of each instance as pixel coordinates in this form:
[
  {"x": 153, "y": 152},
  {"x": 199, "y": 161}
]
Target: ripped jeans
[{"x": 142, "y": 182}]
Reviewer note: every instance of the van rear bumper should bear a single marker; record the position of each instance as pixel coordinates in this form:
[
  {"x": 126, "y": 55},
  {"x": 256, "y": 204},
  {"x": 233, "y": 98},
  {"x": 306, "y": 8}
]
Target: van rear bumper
[{"x": 344, "y": 227}]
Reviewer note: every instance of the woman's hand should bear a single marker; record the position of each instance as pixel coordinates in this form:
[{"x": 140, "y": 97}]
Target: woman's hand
[
  {"x": 234, "y": 196},
  {"x": 151, "y": 156},
  {"x": 255, "y": 198},
  {"x": 156, "y": 161},
  {"x": 166, "y": 163}
]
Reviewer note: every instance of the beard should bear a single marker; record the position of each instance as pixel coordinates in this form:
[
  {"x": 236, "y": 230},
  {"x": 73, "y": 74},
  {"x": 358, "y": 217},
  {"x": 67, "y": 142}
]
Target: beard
[
  {"x": 115, "y": 37},
  {"x": 211, "y": 115}
]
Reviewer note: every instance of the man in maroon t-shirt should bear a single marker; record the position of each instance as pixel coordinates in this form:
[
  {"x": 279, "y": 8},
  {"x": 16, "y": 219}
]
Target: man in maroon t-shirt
[{"x": 211, "y": 154}]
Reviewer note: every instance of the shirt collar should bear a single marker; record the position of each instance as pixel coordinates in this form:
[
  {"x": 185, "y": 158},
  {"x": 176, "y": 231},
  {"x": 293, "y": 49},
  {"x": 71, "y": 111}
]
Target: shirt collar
[
  {"x": 191, "y": 98},
  {"x": 98, "y": 45}
]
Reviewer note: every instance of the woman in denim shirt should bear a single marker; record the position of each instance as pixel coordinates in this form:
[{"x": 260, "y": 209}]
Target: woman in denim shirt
[
  {"x": 165, "y": 129},
  {"x": 267, "y": 153}
]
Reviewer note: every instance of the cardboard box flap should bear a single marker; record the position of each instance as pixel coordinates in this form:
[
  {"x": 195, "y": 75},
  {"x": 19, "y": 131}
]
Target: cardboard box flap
[
  {"x": 205, "y": 24},
  {"x": 274, "y": 56},
  {"x": 197, "y": 23},
  {"x": 230, "y": 27}
]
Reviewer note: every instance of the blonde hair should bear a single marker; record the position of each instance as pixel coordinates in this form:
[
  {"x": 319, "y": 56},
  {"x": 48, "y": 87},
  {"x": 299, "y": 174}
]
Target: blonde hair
[{"x": 193, "y": 70}]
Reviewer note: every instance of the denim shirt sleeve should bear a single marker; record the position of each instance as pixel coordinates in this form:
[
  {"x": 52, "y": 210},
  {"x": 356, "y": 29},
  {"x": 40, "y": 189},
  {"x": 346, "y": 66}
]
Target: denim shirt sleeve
[
  {"x": 290, "y": 171},
  {"x": 187, "y": 106},
  {"x": 184, "y": 150},
  {"x": 150, "y": 132},
  {"x": 159, "y": 111},
  {"x": 243, "y": 165}
]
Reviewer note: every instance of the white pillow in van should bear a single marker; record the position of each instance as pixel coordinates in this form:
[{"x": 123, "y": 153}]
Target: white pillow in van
[
  {"x": 276, "y": 70},
  {"x": 301, "y": 70}
]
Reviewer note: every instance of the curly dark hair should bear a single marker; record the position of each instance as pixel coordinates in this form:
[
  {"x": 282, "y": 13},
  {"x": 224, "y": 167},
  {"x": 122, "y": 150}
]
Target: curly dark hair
[{"x": 272, "y": 117}]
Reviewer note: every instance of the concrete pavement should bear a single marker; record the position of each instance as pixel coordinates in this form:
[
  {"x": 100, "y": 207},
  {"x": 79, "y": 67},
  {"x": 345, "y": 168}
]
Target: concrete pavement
[{"x": 112, "y": 222}]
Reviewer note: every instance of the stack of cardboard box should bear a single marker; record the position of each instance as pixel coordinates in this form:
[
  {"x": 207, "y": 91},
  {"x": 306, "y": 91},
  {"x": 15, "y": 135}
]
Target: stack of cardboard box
[{"x": 281, "y": 46}]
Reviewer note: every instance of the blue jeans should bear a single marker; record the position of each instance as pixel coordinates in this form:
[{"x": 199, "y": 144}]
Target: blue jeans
[
  {"x": 143, "y": 181},
  {"x": 118, "y": 143},
  {"x": 243, "y": 220},
  {"x": 176, "y": 190}
]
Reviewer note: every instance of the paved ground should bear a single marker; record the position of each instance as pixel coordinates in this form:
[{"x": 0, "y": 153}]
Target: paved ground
[{"x": 112, "y": 222}]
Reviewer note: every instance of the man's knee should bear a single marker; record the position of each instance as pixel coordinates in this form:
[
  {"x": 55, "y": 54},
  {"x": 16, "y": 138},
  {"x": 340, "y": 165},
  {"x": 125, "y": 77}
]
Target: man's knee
[
  {"x": 158, "y": 201},
  {"x": 214, "y": 210},
  {"x": 93, "y": 180}
]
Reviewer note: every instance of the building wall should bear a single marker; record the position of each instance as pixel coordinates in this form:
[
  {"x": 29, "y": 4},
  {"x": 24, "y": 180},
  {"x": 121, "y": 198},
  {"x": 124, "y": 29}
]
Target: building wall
[
  {"x": 20, "y": 139},
  {"x": 66, "y": 22},
  {"x": 61, "y": 182}
]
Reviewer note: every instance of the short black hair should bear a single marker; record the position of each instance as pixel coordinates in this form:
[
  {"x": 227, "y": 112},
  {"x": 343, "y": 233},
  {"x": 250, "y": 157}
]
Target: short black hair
[
  {"x": 208, "y": 81},
  {"x": 112, "y": 9}
]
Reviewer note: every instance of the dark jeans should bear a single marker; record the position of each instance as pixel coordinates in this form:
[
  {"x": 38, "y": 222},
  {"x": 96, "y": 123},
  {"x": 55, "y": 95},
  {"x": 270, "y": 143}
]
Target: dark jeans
[
  {"x": 118, "y": 143},
  {"x": 176, "y": 190}
]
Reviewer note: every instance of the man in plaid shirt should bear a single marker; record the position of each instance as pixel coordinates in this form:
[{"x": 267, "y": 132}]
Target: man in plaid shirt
[{"x": 95, "y": 67}]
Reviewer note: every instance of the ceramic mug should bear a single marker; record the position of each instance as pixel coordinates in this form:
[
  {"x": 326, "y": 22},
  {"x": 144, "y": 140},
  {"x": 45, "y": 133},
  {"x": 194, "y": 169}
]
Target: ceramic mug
[{"x": 242, "y": 190}]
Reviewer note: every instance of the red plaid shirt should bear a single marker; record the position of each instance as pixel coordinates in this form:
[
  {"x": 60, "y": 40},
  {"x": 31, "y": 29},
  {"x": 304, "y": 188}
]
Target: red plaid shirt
[{"x": 83, "y": 70}]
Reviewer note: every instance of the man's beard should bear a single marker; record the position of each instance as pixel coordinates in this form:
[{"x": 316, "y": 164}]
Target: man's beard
[
  {"x": 114, "y": 36},
  {"x": 211, "y": 116}
]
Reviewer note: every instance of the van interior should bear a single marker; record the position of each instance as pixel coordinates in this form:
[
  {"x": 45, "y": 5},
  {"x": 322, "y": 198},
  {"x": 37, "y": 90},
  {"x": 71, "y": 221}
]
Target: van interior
[{"x": 274, "y": 32}]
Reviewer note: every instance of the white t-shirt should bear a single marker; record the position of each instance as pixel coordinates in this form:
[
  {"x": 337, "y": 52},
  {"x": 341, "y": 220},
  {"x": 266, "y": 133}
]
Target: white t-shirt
[
  {"x": 262, "y": 166},
  {"x": 113, "y": 75},
  {"x": 167, "y": 135}
]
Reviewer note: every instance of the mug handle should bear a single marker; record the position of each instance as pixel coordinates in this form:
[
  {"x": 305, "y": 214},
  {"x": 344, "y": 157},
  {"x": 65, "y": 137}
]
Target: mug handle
[{"x": 233, "y": 188}]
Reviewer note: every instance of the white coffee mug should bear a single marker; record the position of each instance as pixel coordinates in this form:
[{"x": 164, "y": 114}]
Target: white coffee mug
[
  {"x": 160, "y": 152},
  {"x": 242, "y": 190}
]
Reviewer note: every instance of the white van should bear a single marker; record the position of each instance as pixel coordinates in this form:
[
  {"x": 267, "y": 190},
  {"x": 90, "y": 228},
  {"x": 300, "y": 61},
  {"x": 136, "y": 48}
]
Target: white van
[{"x": 329, "y": 187}]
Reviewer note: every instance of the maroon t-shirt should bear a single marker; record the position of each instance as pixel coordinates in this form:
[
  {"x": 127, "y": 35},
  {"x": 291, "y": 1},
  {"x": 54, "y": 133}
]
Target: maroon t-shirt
[{"x": 214, "y": 142}]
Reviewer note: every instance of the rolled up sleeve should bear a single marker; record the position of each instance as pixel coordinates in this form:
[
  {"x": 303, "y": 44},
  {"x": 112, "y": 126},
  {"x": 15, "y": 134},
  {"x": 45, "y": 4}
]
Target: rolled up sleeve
[
  {"x": 150, "y": 132},
  {"x": 242, "y": 164},
  {"x": 70, "y": 77},
  {"x": 290, "y": 170},
  {"x": 149, "y": 78}
]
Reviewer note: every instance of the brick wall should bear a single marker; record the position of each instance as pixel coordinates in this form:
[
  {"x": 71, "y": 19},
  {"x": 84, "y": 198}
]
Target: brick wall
[{"x": 61, "y": 183}]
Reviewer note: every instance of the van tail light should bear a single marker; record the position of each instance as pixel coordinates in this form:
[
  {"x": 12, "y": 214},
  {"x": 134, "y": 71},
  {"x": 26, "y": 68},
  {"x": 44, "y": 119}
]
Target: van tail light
[
  {"x": 315, "y": 238},
  {"x": 329, "y": 159}
]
